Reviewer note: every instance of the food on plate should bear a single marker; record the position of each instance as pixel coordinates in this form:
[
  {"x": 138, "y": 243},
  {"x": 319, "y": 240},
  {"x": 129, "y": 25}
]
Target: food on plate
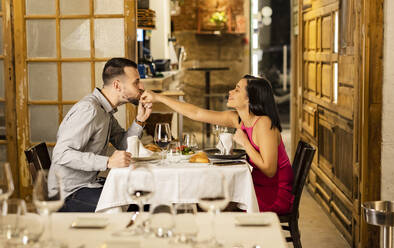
[
  {"x": 153, "y": 148},
  {"x": 200, "y": 157},
  {"x": 185, "y": 150}
]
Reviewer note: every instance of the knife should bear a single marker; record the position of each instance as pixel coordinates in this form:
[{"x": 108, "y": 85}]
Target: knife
[{"x": 228, "y": 162}]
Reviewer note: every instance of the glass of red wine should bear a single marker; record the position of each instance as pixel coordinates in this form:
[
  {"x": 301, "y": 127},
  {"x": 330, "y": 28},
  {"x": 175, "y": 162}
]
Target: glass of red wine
[{"x": 162, "y": 138}]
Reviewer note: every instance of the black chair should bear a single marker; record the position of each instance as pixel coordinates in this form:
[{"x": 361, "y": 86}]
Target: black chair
[
  {"x": 37, "y": 158},
  {"x": 301, "y": 166}
]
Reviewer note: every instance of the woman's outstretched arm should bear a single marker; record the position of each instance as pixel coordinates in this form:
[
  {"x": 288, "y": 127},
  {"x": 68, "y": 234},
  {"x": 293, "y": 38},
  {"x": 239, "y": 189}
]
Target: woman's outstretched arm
[{"x": 222, "y": 118}]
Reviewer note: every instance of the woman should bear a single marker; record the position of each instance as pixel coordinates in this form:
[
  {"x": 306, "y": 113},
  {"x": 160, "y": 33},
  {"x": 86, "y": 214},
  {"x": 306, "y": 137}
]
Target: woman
[{"x": 258, "y": 131}]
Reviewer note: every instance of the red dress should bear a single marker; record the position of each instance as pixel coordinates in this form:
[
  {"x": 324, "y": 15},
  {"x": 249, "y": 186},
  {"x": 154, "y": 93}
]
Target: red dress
[{"x": 273, "y": 194}]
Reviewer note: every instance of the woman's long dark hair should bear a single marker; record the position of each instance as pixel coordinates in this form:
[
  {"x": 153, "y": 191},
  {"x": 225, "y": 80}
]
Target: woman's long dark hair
[{"x": 261, "y": 99}]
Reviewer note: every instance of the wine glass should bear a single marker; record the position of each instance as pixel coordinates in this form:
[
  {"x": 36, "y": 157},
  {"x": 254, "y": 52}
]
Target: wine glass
[
  {"x": 140, "y": 186},
  {"x": 213, "y": 198},
  {"x": 162, "y": 138},
  {"x": 6, "y": 188},
  {"x": 48, "y": 201}
]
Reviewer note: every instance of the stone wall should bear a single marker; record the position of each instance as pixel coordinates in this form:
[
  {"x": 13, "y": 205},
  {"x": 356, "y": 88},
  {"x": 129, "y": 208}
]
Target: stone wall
[
  {"x": 387, "y": 188},
  {"x": 225, "y": 50}
]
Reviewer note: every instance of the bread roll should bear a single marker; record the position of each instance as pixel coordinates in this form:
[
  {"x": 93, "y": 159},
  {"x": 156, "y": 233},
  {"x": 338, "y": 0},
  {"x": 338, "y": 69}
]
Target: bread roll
[
  {"x": 200, "y": 157},
  {"x": 153, "y": 148}
]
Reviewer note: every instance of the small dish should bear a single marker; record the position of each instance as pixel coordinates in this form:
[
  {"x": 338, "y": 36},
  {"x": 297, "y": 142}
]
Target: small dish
[
  {"x": 153, "y": 157},
  {"x": 120, "y": 244},
  {"x": 252, "y": 220},
  {"x": 89, "y": 222}
]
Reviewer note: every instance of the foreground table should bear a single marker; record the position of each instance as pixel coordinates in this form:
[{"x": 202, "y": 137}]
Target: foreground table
[
  {"x": 227, "y": 232},
  {"x": 178, "y": 184}
]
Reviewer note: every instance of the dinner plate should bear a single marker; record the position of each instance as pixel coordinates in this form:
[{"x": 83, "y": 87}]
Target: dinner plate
[
  {"x": 215, "y": 153},
  {"x": 89, "y": 222},
  {"x": 252, "y": 220}
]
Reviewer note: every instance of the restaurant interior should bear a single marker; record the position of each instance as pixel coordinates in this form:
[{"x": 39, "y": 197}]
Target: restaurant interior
[{"x": 191, "y": 181}]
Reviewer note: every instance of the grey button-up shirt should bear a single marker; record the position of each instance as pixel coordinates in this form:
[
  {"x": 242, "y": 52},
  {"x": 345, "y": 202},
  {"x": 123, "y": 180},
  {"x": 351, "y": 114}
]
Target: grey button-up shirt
[{"x": 82, "y": 142}]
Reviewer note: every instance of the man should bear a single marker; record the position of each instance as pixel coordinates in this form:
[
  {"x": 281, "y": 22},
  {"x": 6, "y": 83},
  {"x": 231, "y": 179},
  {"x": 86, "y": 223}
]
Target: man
[{"x": 86, "y": 130}]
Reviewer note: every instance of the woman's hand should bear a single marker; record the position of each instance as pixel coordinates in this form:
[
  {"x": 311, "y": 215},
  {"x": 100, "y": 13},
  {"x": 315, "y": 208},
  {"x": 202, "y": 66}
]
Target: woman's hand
[
  {"x": 240, "y": 137},
  {"x": 144, "y": 111},
  {"x": 148, "y": 97}
]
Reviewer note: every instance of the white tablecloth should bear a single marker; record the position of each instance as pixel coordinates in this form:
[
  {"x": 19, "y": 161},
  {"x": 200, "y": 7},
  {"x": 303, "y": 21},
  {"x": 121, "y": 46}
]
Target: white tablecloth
[
  {"x": 227, "y": 232},
  {"x": 179, "y": 184}
]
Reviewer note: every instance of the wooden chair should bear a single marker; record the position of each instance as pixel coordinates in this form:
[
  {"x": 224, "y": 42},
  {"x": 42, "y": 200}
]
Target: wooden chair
[
  {"x": 38, "y": 159},
  {"x": 301, "y": 166}
]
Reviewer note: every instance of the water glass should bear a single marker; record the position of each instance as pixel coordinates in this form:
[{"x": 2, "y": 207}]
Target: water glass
[
  {"x": 12, "y": 210},
  {"x": 161, "y": 221},
  {"x": 186, "y": 228},
  {"x": 174, "y": 153},
  {"x": 189, "y": 140}
]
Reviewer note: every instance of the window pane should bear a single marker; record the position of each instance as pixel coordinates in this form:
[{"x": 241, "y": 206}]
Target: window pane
[
  {"x": 121, "y": 115},
  {"x": 2, "y": 86},
  {"x": 41, "y": 7},
  {"x": 109, "y": 45},
  {"x": 43, "y": 123},
  {"x": 74, "y": 7},
  {"x": 76, "y": 79},
  {"x": 1, "y": 35},
  {"x": 3, "y": 153},
  {"x": 75, "y": 38},
  {"x": 99, "y": 66},
  {"x": 66, "y": 108},
  {"x": 42, "y": 81},
  {"x": 108, "y": 7},
  {"x": 41, "y": 38},
  {"x": 2, "y": 121}
]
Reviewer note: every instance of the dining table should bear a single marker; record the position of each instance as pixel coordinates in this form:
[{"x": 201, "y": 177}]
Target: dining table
[
  {"x": 178, "y": 183},
  {"x": 231, "y": 229}
]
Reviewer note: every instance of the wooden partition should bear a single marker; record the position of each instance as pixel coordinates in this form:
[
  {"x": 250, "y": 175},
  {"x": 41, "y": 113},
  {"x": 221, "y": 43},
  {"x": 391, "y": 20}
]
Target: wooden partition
[{"x": 336, "y": 106}]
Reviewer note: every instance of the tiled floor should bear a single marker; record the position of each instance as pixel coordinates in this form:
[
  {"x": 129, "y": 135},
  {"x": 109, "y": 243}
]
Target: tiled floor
[{"x": 316, "y": 228}]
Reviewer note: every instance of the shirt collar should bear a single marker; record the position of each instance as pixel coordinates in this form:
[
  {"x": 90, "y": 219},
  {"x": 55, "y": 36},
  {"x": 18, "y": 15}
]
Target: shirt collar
[{"x": 104, "y": 101}]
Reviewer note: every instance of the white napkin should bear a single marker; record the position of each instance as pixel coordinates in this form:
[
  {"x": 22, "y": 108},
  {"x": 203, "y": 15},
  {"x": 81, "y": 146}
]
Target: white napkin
[
  {"x": 134, "y": 146},
  {"x": 143, "y": 152},
  {"x": 225, "y": 143}
]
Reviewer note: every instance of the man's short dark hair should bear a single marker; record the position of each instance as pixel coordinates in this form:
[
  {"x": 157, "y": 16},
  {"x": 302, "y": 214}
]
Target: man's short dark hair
[{"x": 115, "y": 67}]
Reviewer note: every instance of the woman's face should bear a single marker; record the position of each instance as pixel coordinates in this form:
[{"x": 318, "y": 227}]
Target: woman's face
[{"x": 238, "y": 97}]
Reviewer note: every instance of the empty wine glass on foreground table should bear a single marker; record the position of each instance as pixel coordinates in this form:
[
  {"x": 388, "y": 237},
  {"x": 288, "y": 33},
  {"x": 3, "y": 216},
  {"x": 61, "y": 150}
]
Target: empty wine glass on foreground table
[
  {"x": 46, "y": 203},
  {"x": 140, "y": 187},
  {"x": 162, "y": 138},
  {"x": 213, "y": 197},
  {"x": 6, "y": 188}
]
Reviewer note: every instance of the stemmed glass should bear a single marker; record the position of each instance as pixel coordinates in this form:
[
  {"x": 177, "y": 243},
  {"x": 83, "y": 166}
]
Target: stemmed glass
[
  {"x": 47, "y": 202},
  {"x": 140, "y": 187},
  {"x": 6, "y": 188},
  {"x": 213, "y": 199},
  {"x": 190, "y": 140},
  {"x": 162, "y": 138}
]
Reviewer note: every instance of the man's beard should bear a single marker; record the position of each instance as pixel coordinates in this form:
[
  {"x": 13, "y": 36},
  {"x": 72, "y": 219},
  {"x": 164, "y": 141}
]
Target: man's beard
[{"x": 133, "y": 101}]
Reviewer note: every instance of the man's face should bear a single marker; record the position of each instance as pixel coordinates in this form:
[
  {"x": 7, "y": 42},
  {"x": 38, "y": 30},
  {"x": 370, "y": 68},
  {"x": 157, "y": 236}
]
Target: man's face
[{"x": 131, "y": 88}]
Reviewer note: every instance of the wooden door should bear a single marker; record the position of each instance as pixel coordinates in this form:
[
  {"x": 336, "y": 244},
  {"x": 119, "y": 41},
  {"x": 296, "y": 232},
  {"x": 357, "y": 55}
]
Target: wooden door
[
  {"x": 8, "y": 151},
  {"x": 60, "y": 48},
  {"x": 333, "y": 108}
]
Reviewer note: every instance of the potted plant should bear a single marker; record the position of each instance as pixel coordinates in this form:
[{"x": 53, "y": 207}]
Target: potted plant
[{"x": 219, "y": 18}]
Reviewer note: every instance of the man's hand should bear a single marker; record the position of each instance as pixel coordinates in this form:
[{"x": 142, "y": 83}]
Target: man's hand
[
  {"x": 119, "y": 159},
  {"x": 144, "y": 111},
  {"x": 148, "y": 97}
]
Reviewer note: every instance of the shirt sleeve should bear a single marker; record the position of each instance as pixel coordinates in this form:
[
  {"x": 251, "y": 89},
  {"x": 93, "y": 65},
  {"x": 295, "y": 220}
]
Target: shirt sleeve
[
  {"x": 73, "y": 137},
  {"x": 119, "y": 136}
]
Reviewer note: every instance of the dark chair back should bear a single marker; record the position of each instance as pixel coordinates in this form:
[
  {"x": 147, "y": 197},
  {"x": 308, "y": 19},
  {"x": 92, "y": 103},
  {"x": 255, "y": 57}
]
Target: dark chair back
[
  {"x": 301, "y": 166},
  {"x": 37, "y": 158}
]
